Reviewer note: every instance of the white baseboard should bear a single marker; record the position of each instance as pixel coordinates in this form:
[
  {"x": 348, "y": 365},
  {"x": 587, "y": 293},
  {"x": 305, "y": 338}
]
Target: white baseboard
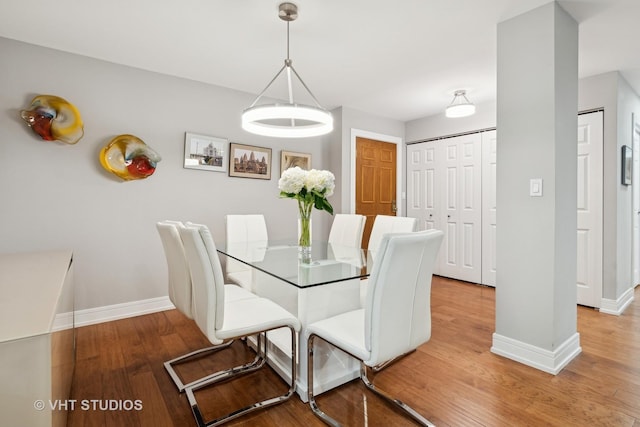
[
  {"x": 91, "y": 316},
  {"x": 618, "y": 306},
  {"x": 548, "y": 361}
]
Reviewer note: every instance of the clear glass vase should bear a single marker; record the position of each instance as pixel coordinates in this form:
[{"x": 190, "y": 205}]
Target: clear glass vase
[{"x": 304, "y": 234}]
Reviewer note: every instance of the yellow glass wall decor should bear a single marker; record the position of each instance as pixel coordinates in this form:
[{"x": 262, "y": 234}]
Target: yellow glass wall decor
[
  {"x": 128, "y": 157},
  {"x": 54, "y": 119}
]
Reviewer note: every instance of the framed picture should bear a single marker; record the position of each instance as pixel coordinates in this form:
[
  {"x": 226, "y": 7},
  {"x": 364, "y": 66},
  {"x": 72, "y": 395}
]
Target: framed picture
[
  {"x": 204, "y": 152},
  {"x": 627, "y": 161},
  {"x": 247, "y": 161},
  {"x": 289, "y": 159}
]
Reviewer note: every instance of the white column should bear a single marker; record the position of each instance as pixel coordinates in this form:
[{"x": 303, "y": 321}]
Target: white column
[{"x": 536, "y": 235}]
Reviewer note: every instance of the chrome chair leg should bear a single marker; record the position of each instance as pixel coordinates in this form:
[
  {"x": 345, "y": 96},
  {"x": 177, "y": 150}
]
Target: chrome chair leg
[
  {"x": 240, "y": 370},
  {"x": 381, "y": 366},
  {"x": 398, "y": 403},
  {"x": 312, "y": 400},
  {"x": 184, "y": 358},
  {"x": 363, "y": 376}
]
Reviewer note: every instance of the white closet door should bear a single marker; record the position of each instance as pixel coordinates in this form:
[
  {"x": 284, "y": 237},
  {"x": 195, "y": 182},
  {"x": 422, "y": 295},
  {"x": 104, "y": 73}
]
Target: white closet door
[
  {"x": 421, "y": 187},
  {"x": 444, "y": 186},
  {"x": 589, "y": 243},
  {"x": 489, "y": 208},
  {"x": 424, "y": 188},
  {"x": 461, "y": 252}
]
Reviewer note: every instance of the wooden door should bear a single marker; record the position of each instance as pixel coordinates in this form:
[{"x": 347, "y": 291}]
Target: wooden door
[
  {"x": 589, "y": 243},
  {"x": 375, "y": 181}
]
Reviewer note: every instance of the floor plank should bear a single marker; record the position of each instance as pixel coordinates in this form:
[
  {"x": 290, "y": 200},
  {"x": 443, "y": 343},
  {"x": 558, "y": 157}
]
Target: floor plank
[{"x": 454, "y": 379}]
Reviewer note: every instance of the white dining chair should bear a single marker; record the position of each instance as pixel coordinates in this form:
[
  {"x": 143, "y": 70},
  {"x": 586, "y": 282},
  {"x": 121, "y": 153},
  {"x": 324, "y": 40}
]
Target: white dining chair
[
  {"x": 180, "y": 289},
  {"x": 346, "y": 230},
  {"x": 179, "y": 284},
  {"x": 221, "y": 320},
  {"x": 396, "y": 318},
  {"x": 383, "y": 224},
  {"x": 244, "y": 233}
]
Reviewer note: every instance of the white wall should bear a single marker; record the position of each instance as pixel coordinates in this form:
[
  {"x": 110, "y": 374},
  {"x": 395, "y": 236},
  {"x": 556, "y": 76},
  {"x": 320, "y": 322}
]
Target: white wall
[
  {"x": 347, "y": 119},
  {"x": 628, "y": 104},
  {"x": 439, "y": 125},
  {"x": 537, "y": 125},
  {"x": 612, "y": 93},
  {"x": 58, "y": 196}
]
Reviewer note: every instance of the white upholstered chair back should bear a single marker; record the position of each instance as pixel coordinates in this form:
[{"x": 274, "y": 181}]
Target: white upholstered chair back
[
  {"x": 243, "y": 232},
  {"x": 389, "y": 224},
  {"x": 207, "y": 280},
  {"x": 346, "y": 230},
  {"x": 398, "y": 304},
  {"x": 177, "y": 266}
]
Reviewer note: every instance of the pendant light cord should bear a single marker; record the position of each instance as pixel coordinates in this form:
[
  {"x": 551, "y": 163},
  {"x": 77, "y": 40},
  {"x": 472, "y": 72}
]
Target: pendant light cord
[{"x": 289, "y": 68}]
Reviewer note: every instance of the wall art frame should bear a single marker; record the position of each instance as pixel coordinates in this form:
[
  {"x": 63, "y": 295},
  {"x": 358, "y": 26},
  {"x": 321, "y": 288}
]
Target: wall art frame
[
  {"x": 204, "y": 152},
  {"x": 627, "y": 164},
  {"x": 290, "y": 159},
  {"x": 249, "y": 161}
]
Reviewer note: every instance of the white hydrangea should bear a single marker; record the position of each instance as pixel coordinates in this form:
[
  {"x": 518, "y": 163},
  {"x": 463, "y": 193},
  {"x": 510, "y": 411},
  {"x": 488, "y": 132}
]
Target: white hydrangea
[
  {"x": 328, "y": 182},
  {"x": 292, "y": 180},
  {"x": 310, "y": 188},
  {"x": 320, "y": 180},
  {"x": 314, "y": 180}
]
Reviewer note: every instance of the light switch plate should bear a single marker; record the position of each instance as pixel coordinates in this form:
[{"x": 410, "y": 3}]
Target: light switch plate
[{"x": 535, "y": 187}]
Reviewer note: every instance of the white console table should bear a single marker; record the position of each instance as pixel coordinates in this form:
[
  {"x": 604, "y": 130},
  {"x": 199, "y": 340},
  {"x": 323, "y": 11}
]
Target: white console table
[{"x": 37, "y": 340}]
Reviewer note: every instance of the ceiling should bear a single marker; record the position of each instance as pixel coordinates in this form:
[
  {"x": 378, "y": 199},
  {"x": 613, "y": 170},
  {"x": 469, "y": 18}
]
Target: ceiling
[{"x": 401, "y": 60}]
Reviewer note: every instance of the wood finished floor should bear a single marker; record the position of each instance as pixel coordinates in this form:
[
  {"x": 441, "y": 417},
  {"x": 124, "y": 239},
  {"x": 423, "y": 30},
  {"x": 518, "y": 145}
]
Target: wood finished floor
[{"x": 454, "y": 379}]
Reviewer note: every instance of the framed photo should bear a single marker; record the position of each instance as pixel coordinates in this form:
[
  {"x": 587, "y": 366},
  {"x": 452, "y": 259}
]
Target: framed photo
[
  {"x": 204, "y": 152},
  {"x": 289, "y": 159},
  {"x": 627, "y": 161},
  {"x": 248, "y": 161}
]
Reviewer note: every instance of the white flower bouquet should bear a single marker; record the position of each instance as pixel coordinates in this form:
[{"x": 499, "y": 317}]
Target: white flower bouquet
[{"x": 309, "y": 188}]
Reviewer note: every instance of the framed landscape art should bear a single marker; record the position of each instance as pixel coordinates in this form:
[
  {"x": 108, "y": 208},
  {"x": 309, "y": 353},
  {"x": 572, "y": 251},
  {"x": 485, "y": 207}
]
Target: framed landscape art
[
  {"x": 290, "y": 159},
  {"x": 205, "y": 152},
  {"x": 248, "y": 161},
  {"x": 627, "y": 163}
]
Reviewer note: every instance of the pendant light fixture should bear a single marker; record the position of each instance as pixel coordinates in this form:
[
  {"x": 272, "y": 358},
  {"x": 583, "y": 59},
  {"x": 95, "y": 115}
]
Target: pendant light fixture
[
  {"x": 288, "y": 120},
  {"x": 460, "y": 106}
]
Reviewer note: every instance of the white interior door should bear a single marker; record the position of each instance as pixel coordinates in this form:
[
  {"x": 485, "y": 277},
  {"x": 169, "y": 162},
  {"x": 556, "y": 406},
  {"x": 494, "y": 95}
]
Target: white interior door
[
  {"x": 444, "y": 186},
  {"x": 636, "y": 201},
  {"x": 463, "y": 206},
  {"x": 424, "y": 188},
  {"x": 589, "y": 238},
  {"x": 421, "y": 186},
  {"x": 489, "y": 186}
]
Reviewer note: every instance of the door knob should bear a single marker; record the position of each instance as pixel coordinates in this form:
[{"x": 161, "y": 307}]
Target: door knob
[{"x": 394, "y": 208}]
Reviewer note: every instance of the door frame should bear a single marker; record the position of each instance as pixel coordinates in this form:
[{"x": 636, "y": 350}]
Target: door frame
[
  {"x": 635, "y": 205},
  {"x": 359, "y": 133}
]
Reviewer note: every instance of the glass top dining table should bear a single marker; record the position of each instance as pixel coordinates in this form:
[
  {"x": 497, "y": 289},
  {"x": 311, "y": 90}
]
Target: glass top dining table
[{"x": 329, "y": 263}]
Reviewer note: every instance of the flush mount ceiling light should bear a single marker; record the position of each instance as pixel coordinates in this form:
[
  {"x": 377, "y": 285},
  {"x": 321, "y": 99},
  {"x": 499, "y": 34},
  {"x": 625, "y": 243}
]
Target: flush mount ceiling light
[
  {"x": 288, "y": 120},
  {"x": 460, "y": 106}
]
